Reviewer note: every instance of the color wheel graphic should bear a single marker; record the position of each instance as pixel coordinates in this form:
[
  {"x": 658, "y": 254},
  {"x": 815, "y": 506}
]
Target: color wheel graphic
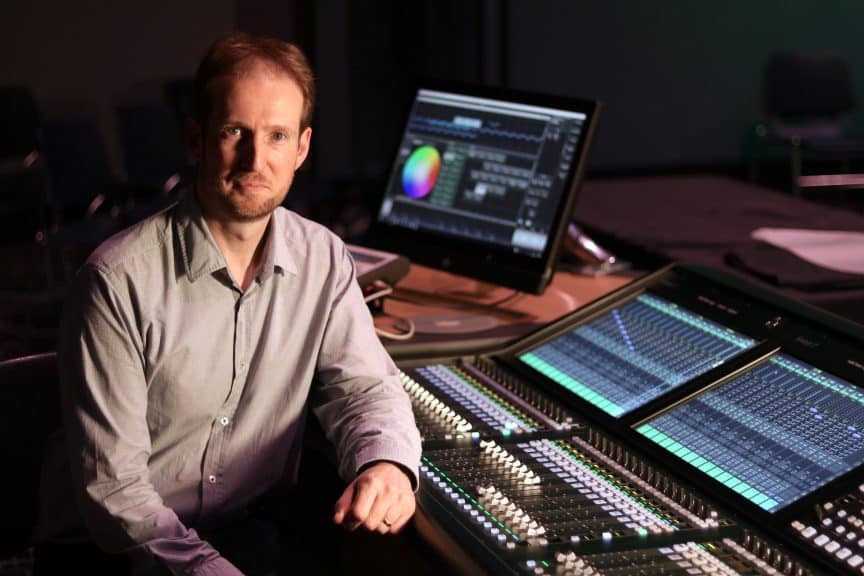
[{"x": 421, "y": 171}]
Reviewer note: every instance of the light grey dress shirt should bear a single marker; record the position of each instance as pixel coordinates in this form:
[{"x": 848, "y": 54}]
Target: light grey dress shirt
[{"x": 185, "y": 398}]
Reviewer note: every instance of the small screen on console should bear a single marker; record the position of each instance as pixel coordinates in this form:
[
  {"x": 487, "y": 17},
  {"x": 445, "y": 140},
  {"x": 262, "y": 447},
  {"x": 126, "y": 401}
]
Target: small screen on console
[
  {"x": 773, "y": 435},
  {"x": 635, "y": 352}
]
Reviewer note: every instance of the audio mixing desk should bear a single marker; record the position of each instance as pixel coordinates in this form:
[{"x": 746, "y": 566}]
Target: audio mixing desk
[{"x": 684, "y": 424}]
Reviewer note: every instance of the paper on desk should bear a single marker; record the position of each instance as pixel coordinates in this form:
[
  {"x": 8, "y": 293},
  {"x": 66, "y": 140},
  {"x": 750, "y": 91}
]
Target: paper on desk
[{"x": 841, "y": 251}]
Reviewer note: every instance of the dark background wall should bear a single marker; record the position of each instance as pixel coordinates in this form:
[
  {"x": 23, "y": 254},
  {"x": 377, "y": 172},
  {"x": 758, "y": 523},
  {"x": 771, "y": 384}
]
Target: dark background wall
[
  {"x": 85, "y": 58},
  {"x": 680, "y": 80}
]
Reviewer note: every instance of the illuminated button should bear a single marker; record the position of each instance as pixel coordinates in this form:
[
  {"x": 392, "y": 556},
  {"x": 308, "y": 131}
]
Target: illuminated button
[
  {"x": 832, "y": 546},
  {"x": 855, "y": 561},
  {"x": 224, "y": 420},
  {"x": 808, "y": 532},
  {"x": 840, "y": 529},
  {"x": 821, "y": 540},
  {"x": 843, "y": 553},
  {"x": 211, "y": 479}
]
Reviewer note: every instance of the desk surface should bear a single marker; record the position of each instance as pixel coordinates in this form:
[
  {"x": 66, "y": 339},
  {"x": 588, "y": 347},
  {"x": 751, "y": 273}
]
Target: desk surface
[{"x": 458, "y": 315}]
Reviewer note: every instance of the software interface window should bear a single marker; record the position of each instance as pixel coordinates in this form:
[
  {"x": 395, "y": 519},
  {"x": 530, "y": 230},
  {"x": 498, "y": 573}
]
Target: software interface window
[{"x": 484, "y": 169}]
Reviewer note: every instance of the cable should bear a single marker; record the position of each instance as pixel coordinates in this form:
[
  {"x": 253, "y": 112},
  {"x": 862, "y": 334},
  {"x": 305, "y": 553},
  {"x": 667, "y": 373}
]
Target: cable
[
  {"x": 407, "y": 335},
  {"x": 384, "y": 289}
]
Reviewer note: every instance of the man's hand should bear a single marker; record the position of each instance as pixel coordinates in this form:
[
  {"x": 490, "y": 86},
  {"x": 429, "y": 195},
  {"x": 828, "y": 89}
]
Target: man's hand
[{"x": 380, "y": 499}]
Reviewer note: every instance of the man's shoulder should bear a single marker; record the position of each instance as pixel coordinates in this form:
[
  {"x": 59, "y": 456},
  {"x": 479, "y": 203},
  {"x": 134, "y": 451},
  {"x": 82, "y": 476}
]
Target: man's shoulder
[
  {"x": 133, "y": 243},
  {"x": 299, "y": 230}
]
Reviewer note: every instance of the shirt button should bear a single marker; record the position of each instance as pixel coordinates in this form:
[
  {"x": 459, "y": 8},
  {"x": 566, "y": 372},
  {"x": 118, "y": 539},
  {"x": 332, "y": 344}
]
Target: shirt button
[
  {"x": 224, "y": 420},
  {"x": 211, "y": 479}
]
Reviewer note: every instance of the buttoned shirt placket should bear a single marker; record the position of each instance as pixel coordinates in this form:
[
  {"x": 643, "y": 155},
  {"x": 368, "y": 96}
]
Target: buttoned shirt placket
[{"x": 212, "y": 493}]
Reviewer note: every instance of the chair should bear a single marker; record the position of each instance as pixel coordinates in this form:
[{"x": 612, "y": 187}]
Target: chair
[
  {"x": 808, "y": 103},
  {"x": 23, "y": 193},
  {"x": 29, "y": 394}
]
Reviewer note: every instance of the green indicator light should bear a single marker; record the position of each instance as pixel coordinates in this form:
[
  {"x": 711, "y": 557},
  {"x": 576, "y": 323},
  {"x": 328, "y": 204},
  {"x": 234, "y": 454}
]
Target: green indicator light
[
  {"x": 742, "y": 488},
  {"x": 647, "y": 430},
  {"x": 505, "y": 432},
  {"x": 675, "y": 447},
  {"x": 759, "y": 499},
  {"x": 571, "y": 384},
  {"x": 642, "y": 532},
  {"x": 660, "y": 437},
  {"x": 544, "y": 563}
]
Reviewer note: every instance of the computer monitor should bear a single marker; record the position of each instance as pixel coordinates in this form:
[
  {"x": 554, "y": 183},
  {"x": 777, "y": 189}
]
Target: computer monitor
[{"x": 483, "y": 182}]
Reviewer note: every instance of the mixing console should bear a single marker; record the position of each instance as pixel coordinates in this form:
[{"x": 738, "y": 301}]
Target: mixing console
[{"x": 728, "y": 443}]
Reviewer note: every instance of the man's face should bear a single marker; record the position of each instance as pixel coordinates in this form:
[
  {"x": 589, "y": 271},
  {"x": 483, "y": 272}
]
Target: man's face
[{"x": 250, "y": 146}]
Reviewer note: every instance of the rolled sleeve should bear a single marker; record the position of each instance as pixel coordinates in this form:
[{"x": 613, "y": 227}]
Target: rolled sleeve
[{"x": 359, "y": 398}]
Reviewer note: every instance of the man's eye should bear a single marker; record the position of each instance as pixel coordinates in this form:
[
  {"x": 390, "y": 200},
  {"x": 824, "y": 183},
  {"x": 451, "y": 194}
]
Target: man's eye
[
  {"x": 231, "y": 131},
  {"x": 280, "y": 136}
]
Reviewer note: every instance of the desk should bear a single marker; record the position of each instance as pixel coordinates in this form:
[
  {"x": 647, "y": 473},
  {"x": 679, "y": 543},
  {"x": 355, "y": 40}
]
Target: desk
[
  {"x": 427, "y": 291},
  {"x": 707, "y": 219}
]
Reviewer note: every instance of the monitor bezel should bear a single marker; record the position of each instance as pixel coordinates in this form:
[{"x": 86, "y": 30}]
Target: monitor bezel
[{"x": 481, "y": 261}]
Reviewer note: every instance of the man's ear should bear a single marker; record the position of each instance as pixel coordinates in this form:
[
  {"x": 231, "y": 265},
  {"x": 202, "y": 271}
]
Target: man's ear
[
  {"x": 303, "y": 147},
  {"x": 193, "y": 138}
]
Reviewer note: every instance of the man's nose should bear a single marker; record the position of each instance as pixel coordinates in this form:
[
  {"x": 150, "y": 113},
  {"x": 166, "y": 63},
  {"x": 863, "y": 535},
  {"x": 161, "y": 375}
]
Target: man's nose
[{"x": 249, "y": 155}]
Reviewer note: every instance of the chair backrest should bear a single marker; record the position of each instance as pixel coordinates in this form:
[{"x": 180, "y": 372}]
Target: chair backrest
[
  {"x": 20, "y": 116},
  {"x": 30, "y": 400},
  {"x": 805, "y": 87}
]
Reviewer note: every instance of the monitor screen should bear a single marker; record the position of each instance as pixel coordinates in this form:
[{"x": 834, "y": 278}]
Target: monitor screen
[
  {"x": 483, "y": 183},
  {"x": 634, "y": 353},
  {"x": 773, "y": 435}
]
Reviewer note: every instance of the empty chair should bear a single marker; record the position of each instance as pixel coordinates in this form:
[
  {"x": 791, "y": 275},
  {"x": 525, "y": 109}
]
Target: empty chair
[{"x": 808, "y": 102}]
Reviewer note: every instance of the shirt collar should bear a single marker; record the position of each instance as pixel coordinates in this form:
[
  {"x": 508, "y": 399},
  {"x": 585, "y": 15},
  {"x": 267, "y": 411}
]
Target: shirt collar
[{"x": 202, "y": 256}]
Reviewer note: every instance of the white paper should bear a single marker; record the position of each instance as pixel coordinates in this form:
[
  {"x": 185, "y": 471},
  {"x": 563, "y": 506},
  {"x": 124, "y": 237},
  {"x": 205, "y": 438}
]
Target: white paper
[{"x": 842, "y": 251}]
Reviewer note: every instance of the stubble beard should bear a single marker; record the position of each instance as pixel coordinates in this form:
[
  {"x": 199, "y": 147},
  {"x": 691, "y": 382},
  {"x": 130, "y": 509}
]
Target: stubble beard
[{"x": 246, "y": 208}]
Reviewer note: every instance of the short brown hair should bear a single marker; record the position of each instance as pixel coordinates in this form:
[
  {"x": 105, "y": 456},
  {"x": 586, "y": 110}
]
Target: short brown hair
[{"x": 235, "y": 53}]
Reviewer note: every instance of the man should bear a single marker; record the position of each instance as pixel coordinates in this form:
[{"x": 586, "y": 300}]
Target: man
[{"x": 195, "y": 342}]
